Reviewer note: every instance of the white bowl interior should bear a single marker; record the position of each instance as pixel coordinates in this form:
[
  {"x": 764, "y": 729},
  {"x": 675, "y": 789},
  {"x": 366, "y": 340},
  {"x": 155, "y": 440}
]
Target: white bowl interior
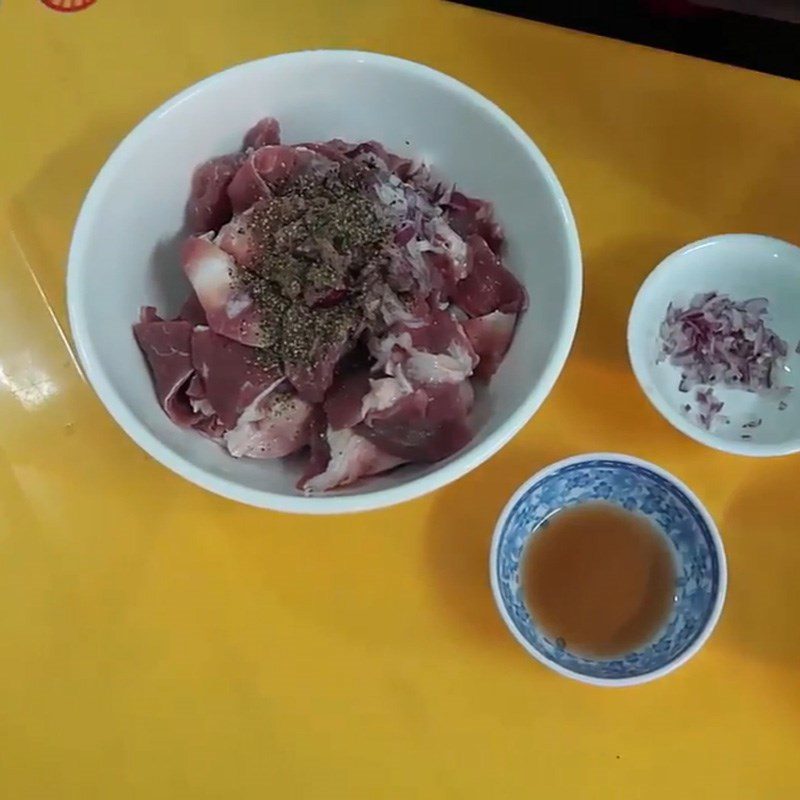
[
  {"x": 124, "y": 251},
  {"x": 742, "y": 266}
]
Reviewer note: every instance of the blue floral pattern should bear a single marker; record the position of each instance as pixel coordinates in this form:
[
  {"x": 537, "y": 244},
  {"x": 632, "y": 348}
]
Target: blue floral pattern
[{"x": 636, "y": 488}]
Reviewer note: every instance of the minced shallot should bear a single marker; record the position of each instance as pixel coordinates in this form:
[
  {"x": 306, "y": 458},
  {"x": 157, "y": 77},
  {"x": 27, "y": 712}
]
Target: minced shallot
[{"x": 717, "y": 341}]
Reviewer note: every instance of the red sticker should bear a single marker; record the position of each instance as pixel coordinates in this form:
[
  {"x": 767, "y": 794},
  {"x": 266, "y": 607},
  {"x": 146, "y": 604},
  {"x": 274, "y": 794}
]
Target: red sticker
[{"x": 68, "y": 5}]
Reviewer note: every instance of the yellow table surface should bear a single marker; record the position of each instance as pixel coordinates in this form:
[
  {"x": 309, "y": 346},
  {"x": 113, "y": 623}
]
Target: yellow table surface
[{"x": 157, "y": 641}]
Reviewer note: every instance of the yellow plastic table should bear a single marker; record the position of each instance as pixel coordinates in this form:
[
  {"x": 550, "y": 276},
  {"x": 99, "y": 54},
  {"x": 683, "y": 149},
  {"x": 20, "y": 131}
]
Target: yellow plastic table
[{"x": 157, "y": 641}]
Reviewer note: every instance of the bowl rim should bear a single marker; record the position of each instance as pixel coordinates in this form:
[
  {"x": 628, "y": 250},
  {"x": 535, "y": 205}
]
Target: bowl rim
[
  {"x": 263, "y": 498},
  {"x": 722, "y": 585},
  {"x": 640, "y": 366}
]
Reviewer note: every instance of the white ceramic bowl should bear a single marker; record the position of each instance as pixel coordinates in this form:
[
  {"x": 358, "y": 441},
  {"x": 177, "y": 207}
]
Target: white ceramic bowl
[
  {"x": 742, "y": 266},
  {"x": 125, "y": 243}
]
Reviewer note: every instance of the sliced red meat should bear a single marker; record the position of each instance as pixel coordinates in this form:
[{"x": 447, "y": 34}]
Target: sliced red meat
[
  {"x": 230, "y": 311},
  {"x": 195, "y": 389},
  {"x": 324, "y": 297},
  {"x": 232, "y": 379},
  {"x": 411, "y": 309},
  {"x": 333, "y": 334},
  {"x": 446, "y": 241},
  {"x": 267, "y": 167},
  {"x": 491, "y": 337},
  {"x": 319, "y": 451},
  {"x": 383, "y": 393},
  {"x": 375, "y": 154},
  {"x": 402, "y": 272},
  {"x": 275, "y": 426},
  {"x": 438, "y": 333},
  {"x": 196, "y": 392},
  {"x": 247, "y": 187},
  {"x": 489, "y": 286},
  {"x": 446, "y": 269},
  {"x": 468, "y": 216},
  {"x": 192, "y": 311},
  {"x": 334, "y": 149},
  {"x": 371, "y": 153},
  {"x": 149, "y": 314},
  {"x": 209, "y": 206},
  {"x": 167, "y": 348},
  {"x": 211, "y": 428},
  {"x": 427, "y": 277},
  {"x": 343, "y": 405},
  {"x": 439, "y": 309},
  {"x": 265, "y": 131},
  {"x": 354, "y": 396},
  {"x": 405, "y": 233},
  {"x": 404, "y": 168},
  {"x": 429, "y": 424},
  {"x": 428, "y": 351},
  {"x": 351, "y": 457},
  {"x": 320, "y": 162},
  {"x": 428, "y": 267},
  {"x": 313, "y": 381}
]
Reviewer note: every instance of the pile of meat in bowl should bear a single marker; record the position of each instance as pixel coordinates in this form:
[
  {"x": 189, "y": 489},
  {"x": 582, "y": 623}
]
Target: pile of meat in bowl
[{"x": 343, "y": 302}]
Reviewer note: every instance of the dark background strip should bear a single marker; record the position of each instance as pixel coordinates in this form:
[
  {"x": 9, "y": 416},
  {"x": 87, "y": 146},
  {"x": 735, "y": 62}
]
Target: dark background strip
[{"x": 745, "y": 40}]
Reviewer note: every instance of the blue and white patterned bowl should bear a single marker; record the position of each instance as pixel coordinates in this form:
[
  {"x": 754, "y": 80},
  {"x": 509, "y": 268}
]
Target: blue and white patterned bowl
[{"x": 637, "y": 486}]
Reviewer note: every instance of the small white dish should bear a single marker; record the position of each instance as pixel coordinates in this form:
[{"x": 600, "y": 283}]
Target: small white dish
[{"x": 742, "y": 266}]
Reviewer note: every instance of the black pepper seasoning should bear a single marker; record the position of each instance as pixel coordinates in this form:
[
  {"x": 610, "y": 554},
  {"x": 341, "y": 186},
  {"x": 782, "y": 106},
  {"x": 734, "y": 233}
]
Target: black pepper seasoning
[{"x": 319, "y": 245}]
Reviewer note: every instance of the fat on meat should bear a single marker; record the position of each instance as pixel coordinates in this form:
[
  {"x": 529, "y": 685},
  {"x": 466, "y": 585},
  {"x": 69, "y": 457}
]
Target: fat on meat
[
  {"x": 274, "y": 426},
  {"x": 232, "y": 380},
  {"x": 426, "y": 351},
  {"x": 230, "y": 311},
  {"x": 490, "y": 337},
  {"x": 237, "y": 238},
  {"x": 351, "y": 457}
]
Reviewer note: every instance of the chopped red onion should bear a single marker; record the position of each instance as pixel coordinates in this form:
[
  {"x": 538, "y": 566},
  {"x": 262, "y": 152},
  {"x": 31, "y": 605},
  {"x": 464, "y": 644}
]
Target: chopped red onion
[
  {"x": 708, "y": 407},
  {"x": 718, "y": 341}
]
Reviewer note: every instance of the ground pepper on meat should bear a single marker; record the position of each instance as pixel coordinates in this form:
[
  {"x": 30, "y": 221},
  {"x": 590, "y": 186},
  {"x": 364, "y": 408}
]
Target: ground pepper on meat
[
  {"x": 282, "y": 404},
  {"x": 319, "y": 250}
]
